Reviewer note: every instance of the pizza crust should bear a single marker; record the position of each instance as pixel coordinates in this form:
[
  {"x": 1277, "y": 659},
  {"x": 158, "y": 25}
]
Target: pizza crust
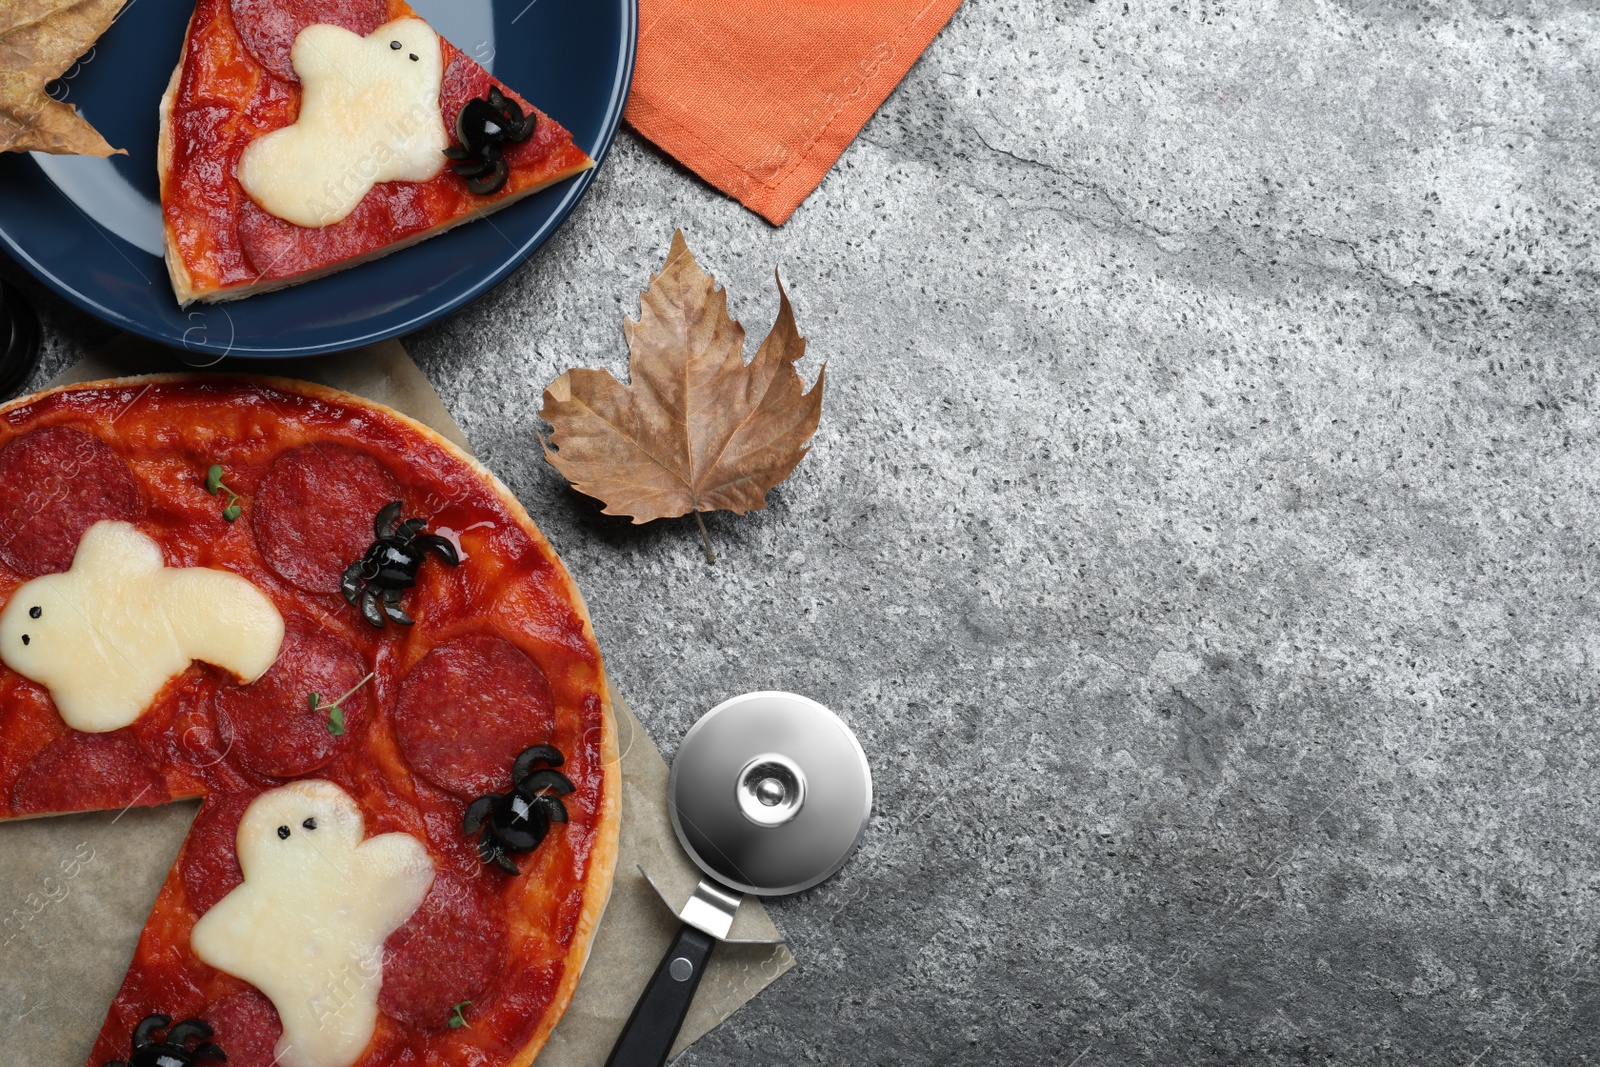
[
  {"x": 182, "y": 283},
  {"x": 603, "y": 850}
]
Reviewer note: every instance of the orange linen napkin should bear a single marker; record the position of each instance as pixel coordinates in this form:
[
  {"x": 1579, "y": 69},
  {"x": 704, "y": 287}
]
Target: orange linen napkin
[{"x": 759, "y": 97}]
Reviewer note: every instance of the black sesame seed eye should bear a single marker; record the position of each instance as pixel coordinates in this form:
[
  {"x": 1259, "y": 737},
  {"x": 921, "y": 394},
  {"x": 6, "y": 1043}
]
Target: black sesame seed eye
[
  {"x": 283, "y": 833},
  {"x": 35, "y": 611},
  {"x": 413, "y": 57},
  {"x": 310, "y": 824},
  {"x": 24, "y": 638},
  {"x": 395, "y": 45}
]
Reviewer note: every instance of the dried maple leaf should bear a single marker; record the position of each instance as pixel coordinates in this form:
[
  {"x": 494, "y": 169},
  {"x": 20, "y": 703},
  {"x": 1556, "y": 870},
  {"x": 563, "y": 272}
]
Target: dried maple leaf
[
  {"x": 697, "y": 429},
  {"x": 39, "y": 40}
]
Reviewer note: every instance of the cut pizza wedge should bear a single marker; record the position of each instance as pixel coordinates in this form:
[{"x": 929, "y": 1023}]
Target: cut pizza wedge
[
  {"x": 409, "y": 827},
  {"x": 301, "y": 137}
]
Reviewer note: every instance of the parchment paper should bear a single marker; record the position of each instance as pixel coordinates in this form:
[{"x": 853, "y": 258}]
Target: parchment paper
[{"x": 75, "y": 890}]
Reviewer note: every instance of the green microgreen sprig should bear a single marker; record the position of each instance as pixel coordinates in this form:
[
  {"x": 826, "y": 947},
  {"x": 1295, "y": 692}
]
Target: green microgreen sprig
[
  {"x": 215, "y": 487},
  {"x": 334, "y": 710},
  {"x": 457, "y": 1020}
]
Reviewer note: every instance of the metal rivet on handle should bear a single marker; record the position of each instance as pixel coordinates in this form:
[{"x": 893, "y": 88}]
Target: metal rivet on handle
[{"x": 680, "y": 969}]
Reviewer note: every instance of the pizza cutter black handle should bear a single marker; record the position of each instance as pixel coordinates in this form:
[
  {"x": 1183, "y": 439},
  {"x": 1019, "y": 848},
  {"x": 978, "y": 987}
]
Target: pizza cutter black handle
[{"x": 655, "y": 1021}]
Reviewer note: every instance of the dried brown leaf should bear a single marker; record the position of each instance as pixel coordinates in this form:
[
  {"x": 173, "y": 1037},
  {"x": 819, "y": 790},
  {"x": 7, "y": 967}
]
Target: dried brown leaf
[
  {"x": 39, "y": 40},
  {"x": 696, "y": 429}
]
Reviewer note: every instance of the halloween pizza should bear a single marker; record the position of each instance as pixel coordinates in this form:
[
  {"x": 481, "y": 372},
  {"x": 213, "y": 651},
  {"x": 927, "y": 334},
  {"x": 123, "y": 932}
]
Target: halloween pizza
[
  {"x": 350, "y": 639},
  {"x": 301, "y": 137}
]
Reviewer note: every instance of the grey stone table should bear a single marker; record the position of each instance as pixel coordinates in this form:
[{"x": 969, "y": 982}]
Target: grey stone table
[{"x": 1200, "y": 532}]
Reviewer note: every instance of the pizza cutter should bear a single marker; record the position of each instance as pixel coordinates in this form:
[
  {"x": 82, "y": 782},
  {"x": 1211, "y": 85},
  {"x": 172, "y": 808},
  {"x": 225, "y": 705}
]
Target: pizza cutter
[{"x": 769, "y": 794}]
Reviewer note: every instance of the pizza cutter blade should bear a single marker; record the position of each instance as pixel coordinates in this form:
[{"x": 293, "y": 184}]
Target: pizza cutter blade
[{"x": 769, "y": 794}]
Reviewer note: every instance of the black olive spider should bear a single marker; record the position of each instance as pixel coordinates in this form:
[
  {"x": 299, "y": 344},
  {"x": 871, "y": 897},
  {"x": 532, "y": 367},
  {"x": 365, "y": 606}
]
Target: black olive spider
[
  {"x": 517, "y": 821},
  {"x": 484, "y": 126},
  {"x": 175, "y": 1049},
  {"x": 390, "y": 566}
]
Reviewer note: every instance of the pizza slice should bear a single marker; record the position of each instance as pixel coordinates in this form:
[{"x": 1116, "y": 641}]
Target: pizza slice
[
  {"x": 301, "y": 137},
  {"x": 351, "y": 640}
]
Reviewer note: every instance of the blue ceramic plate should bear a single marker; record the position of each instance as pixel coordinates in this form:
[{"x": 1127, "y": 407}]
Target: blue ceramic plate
[{"x": 91, "y": 228}]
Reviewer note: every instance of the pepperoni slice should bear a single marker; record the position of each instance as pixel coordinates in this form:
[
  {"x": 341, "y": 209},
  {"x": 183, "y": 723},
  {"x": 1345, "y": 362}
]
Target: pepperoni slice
[
  {"x": 210, "y": 864},
  {"x": 464, "y": 79},
  {"x": 55, "y": 483},
  {"x": 179, "y": 733},
  {"x": 314, "y": 512},
  {"x": 466, "y": 711},
  {"x": 88, "y": 772},
  {"x": 267, "y": 726},
  {"x": 448, "y": 951},
  {"x": 268, "y": 27},
  {"x": 279, "y": 249},
  {"x": 245, "y": 1026}
]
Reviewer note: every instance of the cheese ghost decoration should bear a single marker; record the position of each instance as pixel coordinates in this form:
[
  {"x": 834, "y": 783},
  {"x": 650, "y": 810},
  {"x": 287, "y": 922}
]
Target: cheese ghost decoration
[
  {"x": 307, "y": 925},
  {"x": 105, "y": 635},
  {"x": 369, "y": 112}
]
